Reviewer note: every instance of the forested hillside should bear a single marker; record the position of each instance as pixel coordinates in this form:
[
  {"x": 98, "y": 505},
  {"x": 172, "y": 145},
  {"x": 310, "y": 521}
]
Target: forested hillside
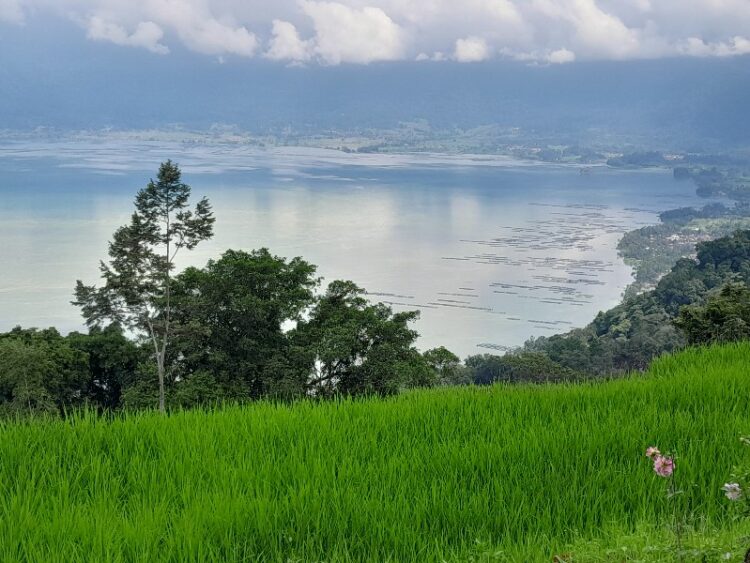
[{"x": 630, "y": 335}]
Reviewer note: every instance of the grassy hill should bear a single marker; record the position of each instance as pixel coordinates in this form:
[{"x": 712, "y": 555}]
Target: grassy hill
[{"x": 501, "y": 473}]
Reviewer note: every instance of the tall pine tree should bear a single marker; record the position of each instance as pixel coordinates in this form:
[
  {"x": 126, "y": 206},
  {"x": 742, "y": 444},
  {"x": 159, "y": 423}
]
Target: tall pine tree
[{"x": 136, "y": 290}]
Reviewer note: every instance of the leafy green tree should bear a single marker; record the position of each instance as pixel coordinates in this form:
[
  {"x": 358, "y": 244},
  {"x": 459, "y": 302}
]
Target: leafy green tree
[
  {"x": 40, "y": 373},
  {"x": 518, "y": 367},
  {"x": 446, "y": 366},
  {"x": 114, "y": 363},
  {"x": 725, "y": 317},
  {"x": 136, "y": 294},
  {"x": 142, "y": 394},
  {"x": 238, "y": 308},
  {"x": 355, "y": 348},
  {"x": 199, "y": 390}
]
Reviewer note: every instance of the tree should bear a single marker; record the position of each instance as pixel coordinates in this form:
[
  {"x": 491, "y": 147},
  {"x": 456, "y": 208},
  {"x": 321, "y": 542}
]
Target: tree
[
  {"x": 136, "y": 294},
  {"x": 446, "y": 366},
  {"x": 113, "y": 364},
  {"x": 355, "y": 348},
  {"x": 240, "y": 306},
  {"x": 40, "y": 373},
  {"x": 521, "y": 367},
  {"x": 724, "y": 318}
]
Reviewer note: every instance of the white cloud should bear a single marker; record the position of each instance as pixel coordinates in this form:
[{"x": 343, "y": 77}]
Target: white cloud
[
  {"x": 146, "y": 35},
  {"x": 196, "y": 23},
  {"x": 341, "y": 35},
  {"x": 199, "y": 29},
  {"x": 351, "y": 35},
  {"x": 286, "y": 43},
  {"x": 436, "y": 56},
  {"x": 471, "y": 50},
  {"x": 214, "y": 38},
  {"x": 587, "y": 27},
  {"x": 363, "y": 31},
  {"x": 561, "y": 56},
  {"x": 602, "y": 32},
  {"x": 698, "y": 48},
  {"x": 11, "y": 11}
]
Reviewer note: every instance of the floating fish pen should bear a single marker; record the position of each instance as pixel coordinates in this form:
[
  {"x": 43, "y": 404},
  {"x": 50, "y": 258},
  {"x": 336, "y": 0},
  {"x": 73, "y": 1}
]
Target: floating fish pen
[
  {"x": 498, "y": 347},
  {"x": 383, "y": 294}
]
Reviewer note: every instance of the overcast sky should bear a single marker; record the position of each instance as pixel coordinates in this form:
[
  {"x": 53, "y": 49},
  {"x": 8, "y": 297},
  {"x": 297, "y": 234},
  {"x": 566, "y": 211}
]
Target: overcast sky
[{"x": 314, "y": 32}]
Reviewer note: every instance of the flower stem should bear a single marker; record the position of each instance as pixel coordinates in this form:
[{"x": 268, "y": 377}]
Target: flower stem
[{"x": 676, "y": 519}]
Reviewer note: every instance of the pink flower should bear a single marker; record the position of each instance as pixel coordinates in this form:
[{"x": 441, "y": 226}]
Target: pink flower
[
  {"x": 732, "y": 491},
  {"x": 652, "y": 451},
  {"x": 663, "y": 466}
]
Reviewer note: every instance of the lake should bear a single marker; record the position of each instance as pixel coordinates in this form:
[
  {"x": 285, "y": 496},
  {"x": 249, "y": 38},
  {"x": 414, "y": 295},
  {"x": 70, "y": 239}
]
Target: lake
[{"x": 491, "y": 250}]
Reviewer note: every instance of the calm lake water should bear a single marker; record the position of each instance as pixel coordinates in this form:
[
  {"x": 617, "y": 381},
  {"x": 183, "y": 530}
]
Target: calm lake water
[{"x": 491, "y": 250}]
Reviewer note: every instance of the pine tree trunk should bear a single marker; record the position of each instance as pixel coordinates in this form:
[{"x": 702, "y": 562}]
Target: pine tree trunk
[{"x": 160, "y": 369}]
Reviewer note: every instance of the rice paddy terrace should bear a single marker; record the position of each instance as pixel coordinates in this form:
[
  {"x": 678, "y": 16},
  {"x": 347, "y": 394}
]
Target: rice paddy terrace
[{"x": 500, "y": 473}]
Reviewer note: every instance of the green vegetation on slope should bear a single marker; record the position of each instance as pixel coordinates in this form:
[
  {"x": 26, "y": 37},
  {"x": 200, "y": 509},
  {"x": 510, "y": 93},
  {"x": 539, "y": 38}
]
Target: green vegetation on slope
[
  {"x": 517, "y": 473},
  {"x": 725, "y": 317},
  {"x": 631, "y": 335}
]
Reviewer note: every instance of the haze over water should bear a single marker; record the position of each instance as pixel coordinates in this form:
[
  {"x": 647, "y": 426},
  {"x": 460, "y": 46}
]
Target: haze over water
[{"x": 491, "y": 250}]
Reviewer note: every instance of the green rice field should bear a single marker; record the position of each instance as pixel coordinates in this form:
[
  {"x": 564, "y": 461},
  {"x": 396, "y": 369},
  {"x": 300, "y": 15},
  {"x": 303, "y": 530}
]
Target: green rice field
[{"x": 523, "y": 473}]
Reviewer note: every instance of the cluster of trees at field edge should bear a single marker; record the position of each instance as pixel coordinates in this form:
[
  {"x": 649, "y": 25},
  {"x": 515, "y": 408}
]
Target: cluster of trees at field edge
[
  {"x": 251, "y": 325},
  {"x": 247, "y": 325}
]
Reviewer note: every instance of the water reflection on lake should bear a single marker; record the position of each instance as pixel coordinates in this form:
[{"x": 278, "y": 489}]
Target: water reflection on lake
[{"x": 491, "y": 250}]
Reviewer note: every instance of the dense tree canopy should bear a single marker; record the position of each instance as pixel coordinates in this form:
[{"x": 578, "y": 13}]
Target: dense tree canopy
[
  {"x": 725, "y": 317},
  {"x": 248, "y": 325},
  {"x": 113, "y": 364},
  {"x": 514, "y": 368},
  {"x": 352, "y": 347},
  {"x": 235, "y": 312},
  {"x": 447, "y": 367},
  {"x": 40, "y": 373}
]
